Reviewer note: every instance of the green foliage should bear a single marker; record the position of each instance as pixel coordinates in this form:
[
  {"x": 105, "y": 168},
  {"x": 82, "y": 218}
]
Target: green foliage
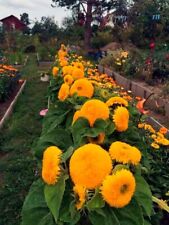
[{"x": 101, "y": 39}]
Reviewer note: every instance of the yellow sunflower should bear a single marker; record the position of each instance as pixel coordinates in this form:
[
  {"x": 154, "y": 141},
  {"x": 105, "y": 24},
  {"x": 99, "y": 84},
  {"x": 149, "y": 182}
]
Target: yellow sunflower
[
  {"x": 121, "y": 118},
  {"x": 117, "y": 100},
  {"x": 55, "y": 70},
  {"x": 63, "y": 92},
  {"x": 89, "y": 165},
  {"x": 50, "y": 165},
  {"x": 94, "y": 109},
  {"x": 68, "y": 79},
  {"x": 80, "y": 191},
  {"x": 124, "y": 153},
  {"x": 82, "y": 87},
  {"x": 118, "y": 189},
  {"x": 77, "y": 73}
]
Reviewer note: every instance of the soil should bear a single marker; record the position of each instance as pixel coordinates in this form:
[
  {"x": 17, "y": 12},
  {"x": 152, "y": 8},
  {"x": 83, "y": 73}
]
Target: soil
[{"x": 5, "y": 105}]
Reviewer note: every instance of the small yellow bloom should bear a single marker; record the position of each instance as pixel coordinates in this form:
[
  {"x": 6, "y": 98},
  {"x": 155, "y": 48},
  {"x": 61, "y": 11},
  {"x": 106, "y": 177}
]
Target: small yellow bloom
[
  {"x": 155, "y": 145},
  {"x": 68, "y": 79},
  {"x": 121, "y": 118},
  {"x": 77, "y": 73},
  {"x": 50, "y": 164},
  {"x": 55, "y": 71},
  {"x": 80, "y": 191},
  {"x": 118, "y": 189},
  {"x": 63, "y": 92},
  {"x": 118, "y": 101}
]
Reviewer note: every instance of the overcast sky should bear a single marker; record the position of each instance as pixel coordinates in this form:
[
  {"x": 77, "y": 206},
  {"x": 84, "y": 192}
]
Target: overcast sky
[{"x": 35, "y": 8}]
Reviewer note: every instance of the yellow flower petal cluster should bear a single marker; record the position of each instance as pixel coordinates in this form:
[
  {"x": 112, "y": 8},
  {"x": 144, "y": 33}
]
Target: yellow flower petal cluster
[
  {"x": 68, "y": 79},
  {"x": 79, "y": 65},
  {"x": 77, "y": 73},
  {"x": 89, "y": 165},
  {"x": 63, "y": 62},
  {"x": 155, "y": 145},
  {"x": 82, "y": 87},
  {"x": 92, "y": 110},
  {"x": 50, "y": 164},
  {"x": 80, "y": 191},
  {"x": 63, "y": 92},
  {"x": 118, "y": 189},
  {"x": 121, "y": 118},
  {"x": 124, "y": 153},
  {"x": 55, "y": 70},
  {"x": 117, "y": 100},
  {"x": 67, "y": 70}
]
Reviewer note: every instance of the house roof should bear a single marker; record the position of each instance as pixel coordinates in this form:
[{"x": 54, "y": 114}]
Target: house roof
[{"x": 12, "y": 16}]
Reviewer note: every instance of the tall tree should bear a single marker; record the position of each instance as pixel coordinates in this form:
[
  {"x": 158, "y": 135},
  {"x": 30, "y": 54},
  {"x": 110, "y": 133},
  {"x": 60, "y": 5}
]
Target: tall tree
[
  {"x": 25, "y": 18},
  {"x": 89, "y": 8}
]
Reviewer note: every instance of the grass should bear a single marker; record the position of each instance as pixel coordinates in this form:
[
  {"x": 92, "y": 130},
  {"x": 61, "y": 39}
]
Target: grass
[{"x": 17, "y": 166}]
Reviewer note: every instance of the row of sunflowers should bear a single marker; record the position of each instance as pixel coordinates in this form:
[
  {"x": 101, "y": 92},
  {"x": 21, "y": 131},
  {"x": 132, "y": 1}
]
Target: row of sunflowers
[
  {"x": 96, "y": 155},
  {"x": 8, "y": 77}
]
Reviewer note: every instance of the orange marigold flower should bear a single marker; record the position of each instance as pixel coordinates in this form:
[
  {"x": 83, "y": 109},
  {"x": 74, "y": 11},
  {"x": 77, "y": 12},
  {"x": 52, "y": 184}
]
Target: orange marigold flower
[
  {"x": 117, "y": 100},
  {"x": 68, "y": 79},
  {"x": 82, "y": 87},
  {"x": 55, "y": 70},
  {"x": 121, "y": 118},
  {"x": 80, "y": 191},
  {"x": 94, "y": 109},
  {"x": 89, "y": 165},
  {"x": 63, "y": 92},
  {"x": 118, "y": 189},
  {"x": 163, "y": 130},
  {"x": 77, "y": 73},
  {"x": 124, "y": 153},
  {"x": 50, "y": 164}
]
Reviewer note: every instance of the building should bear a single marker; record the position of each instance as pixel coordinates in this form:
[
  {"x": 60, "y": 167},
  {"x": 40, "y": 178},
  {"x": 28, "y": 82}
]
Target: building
[{"x": 13, "y": 23}]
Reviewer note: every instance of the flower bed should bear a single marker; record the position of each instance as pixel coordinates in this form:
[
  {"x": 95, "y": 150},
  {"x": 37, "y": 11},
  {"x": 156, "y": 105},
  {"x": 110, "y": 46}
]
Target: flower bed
[
  {"x": 9, "y": 77},
  {"x": 97, "y": 157}
]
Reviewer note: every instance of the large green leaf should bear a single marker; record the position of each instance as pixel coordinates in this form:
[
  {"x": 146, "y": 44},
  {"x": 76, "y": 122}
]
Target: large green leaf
[
  {"x": 143, "y": 194},
  {"x": 54, "y": 195},
  {"x": 35, "y": 210},
  {"x": 81, "y": 129},
  {"x": 130, "y": 214},
  {"x": 58, "y": 137},
  {"x": 96, "y": 201},
  {"x": 104, "y": 216}
]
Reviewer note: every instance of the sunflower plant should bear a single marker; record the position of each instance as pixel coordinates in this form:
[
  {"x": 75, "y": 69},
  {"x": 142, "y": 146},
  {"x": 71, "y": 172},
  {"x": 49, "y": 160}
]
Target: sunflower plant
[{"x": 93, "y": 153}]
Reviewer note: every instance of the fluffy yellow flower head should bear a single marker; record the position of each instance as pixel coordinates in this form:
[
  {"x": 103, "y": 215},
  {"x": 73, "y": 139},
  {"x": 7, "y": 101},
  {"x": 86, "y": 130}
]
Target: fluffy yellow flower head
[
  {"x": 82, "y": 87},
  {"x": 55, "y": 70},
  {"x": 89, "y": 165},
  {"x": 94, "y": 109},
  {"x": 117, "y": 100},
  {"x": 67, "y": 70},
  {"x": 80, "y": 191},
  {"x": 77, "y": 73},
  {"x": 50, "y": 164},
  {"x": 118, "y": 189},
  {"x": 121, "y": 118},
  {"x": 63, "y": 62},
  {"x": 79, "y": 65},
  {"x": 68, "y": 79},
  {"x": 124, "y": 153},
  {"x": 63, "y": 92}
]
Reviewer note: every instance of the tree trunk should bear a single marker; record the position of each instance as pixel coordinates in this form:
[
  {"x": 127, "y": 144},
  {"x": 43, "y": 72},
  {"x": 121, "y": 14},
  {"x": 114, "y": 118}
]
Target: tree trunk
[{"x": 88, "y": 28}]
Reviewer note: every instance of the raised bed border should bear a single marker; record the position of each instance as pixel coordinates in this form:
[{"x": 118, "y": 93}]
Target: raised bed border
[
  {"x": 10, "y": 108},
  {"x": 137, "y": 90}
]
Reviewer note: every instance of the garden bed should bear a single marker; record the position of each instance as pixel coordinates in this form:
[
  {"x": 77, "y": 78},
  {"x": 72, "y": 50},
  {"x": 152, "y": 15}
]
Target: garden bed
[
  {"x": 158, "y": 105},
  {"x": 7, "y": 106}
]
